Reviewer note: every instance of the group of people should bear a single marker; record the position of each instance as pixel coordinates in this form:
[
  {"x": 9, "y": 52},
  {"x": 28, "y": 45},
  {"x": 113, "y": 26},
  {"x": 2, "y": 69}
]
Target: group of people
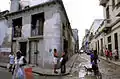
[
  {"x": 17, "y": 62},
  {"x": 63, "y": 60},
  {"x": 109, "y": 54},
  {"x": 16, "y": 65}
]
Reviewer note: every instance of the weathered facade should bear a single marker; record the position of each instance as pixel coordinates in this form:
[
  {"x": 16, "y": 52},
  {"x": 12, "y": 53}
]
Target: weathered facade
[
  {"x": 108, "y": 33},
  {"x": 90, "y": 38},
  {"x": 76, "y": 37},
  {"x": 85, "y": 41},
  {"x": 5, "y": 37},
  {"x": 112, "y": 22},
  {"x": 38, "y": 29}
]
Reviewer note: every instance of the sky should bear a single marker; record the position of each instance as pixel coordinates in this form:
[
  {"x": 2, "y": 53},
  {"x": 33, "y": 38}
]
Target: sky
[{"x": 81, "y": 13}]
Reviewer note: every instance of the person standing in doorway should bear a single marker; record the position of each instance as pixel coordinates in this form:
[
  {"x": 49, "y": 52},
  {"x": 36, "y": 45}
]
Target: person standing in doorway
[{"x": 55, "y": 60}]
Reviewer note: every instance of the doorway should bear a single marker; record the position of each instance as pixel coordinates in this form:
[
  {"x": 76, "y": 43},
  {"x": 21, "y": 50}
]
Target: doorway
[
  {"x": 65, "y": 45},
  {"x": 23, "y": 48}
]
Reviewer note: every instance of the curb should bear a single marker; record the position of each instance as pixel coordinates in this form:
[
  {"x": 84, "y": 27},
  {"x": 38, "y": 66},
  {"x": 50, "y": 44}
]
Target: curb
[
  {"x": 109, "y": 61},
  {"x": 58, "y": 74},
  {"x": 42, "y": 74},
  {"x": 3, "y": 66}
]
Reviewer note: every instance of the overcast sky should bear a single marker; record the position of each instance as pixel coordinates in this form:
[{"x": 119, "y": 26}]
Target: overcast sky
[{"x": 81, "y": 13}]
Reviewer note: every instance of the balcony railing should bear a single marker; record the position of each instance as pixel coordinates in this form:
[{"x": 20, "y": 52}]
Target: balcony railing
[{"x": 103, "y": 2}]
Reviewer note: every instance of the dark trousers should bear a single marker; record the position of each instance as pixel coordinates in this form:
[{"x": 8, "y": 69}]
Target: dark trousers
[
  {"x": 10, "y": 68},
  {"x": 63, "y": 67},
  {"x": 95, "y": 68}
]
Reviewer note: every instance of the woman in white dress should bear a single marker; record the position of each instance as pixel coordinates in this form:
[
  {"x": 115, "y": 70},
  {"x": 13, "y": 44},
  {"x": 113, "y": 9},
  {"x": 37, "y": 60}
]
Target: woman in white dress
[{"x": 19, "y": 66}]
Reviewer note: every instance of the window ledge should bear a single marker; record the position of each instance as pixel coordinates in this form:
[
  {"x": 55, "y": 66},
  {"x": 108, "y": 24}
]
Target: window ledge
[{"x": 36, "y": 37}]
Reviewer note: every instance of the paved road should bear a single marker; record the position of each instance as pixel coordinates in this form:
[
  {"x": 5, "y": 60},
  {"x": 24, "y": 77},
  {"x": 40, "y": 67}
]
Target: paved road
[
  {"x": 4, "y": 74},
  {"x": 108, "y": 70}
]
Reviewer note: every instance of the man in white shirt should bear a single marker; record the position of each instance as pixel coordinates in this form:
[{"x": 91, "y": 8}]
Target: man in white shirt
[{"x": 11, "y": 61}]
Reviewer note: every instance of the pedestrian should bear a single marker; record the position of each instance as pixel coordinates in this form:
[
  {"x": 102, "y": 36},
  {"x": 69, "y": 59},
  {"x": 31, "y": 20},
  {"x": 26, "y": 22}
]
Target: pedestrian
[
  {"x": 115, "y": 54},
  {"x": 55, "y": 60},
  {"x": 94, "y": 58},
  {"x": 64, "y": 60},
  {"x": 11, "y": 62},
  {"x": 20, "y": 62},
  {"x": 110, "y": 55},
  {"x": 107, "y": 53}
]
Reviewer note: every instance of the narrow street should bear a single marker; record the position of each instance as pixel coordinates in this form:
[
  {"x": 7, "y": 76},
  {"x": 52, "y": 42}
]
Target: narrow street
[{"x": 108, "y": 70}]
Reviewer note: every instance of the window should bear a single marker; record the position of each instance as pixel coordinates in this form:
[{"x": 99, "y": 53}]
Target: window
[
  {"x": 109, "y": 39},
  {"x": 118, "y": 4},
  {"x": 116, "y": 40},
  {"x": 37, "y": 24},
  {"x": 107, "y": 15},
  {"x": 110, "y": 47},
  {"x": 113, "y": 4},
  {"x": 17, "y": 27},
  {"x": 98, "y": 47}
]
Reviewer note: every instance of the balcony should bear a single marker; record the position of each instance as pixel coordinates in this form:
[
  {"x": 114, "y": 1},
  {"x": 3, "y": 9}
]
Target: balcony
[{"x": 103, "y": 2}]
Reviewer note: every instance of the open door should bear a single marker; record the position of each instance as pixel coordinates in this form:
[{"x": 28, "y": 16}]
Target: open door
[{"x": 23, "y": 48}]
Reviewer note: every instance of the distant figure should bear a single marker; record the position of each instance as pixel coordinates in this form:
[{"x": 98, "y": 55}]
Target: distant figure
[
  {"x": 107, "y": 53},
  {"x": 55, "y": 60},
  {"x": 115, "y": 54},
  {"x": 110, "y": 55},
  {"x": 11, "y": 62}
]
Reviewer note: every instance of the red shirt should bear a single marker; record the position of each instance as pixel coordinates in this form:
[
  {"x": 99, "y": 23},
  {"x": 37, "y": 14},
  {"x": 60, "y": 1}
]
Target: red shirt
[{"x": 106, "y": 52}]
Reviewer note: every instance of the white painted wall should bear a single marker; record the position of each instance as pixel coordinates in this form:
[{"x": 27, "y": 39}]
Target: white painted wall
[{"x": 4, "y": 31}]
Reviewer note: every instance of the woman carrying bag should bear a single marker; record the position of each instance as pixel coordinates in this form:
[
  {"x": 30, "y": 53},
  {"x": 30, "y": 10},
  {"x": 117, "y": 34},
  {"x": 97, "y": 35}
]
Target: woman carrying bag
[{"x": 19, "y": 63}]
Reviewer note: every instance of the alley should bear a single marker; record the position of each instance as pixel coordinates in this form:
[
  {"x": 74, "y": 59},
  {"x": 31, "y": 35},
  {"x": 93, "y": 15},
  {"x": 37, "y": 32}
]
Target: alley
[{"x": 108, "y": 70}]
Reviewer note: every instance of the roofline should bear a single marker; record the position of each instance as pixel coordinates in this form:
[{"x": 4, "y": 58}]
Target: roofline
[
  {"x": 39, "y": 5},
  {"x": 61, "y": 2}
]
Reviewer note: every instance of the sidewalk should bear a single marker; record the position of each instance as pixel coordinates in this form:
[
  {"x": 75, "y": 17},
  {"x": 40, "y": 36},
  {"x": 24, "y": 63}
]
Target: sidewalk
[
  {"x": 49, "y": 72},
  {"x": 111, "y": 61}
]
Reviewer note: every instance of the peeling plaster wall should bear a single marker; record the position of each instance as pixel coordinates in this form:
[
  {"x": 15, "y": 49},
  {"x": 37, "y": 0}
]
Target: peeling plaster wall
[
  {"x": 5, "y": 34},
  {"x": 52, "y": 34}
]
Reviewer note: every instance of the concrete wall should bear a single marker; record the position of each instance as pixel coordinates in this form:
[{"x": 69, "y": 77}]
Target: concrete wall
[{"x": 52, "y": 37}]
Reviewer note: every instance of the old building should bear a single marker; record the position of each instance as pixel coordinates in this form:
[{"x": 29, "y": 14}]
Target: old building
[
  {"x": 107, "y": 35},
  {"x": 76, "y": 37},
  {"x": 112, "y": 22},
  {"x": 5, "y": 37},
  {"x": 85, "y": 41},
  {"x": 89, "y": 42},
  {"x": 38, "y": 28},
  {"x": 93, "y": 32}
]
